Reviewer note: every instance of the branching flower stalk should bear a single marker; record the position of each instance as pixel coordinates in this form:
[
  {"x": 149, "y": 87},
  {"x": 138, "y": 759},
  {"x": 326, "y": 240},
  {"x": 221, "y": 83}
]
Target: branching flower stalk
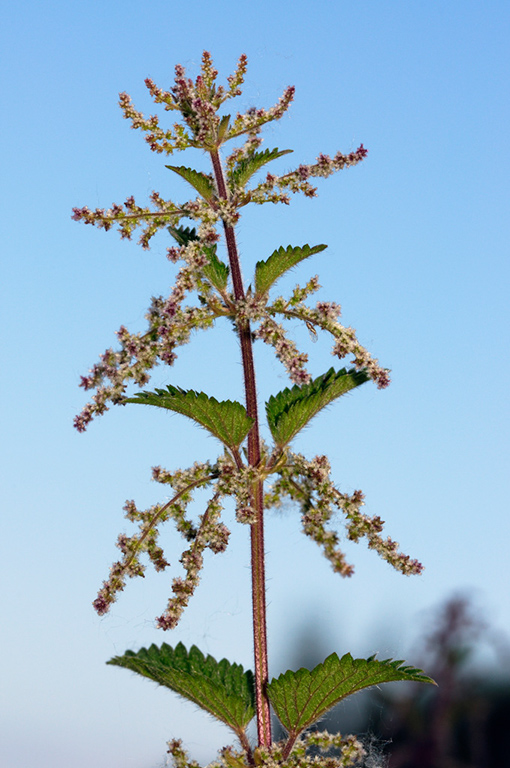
[{"x": 246, "y": 465}]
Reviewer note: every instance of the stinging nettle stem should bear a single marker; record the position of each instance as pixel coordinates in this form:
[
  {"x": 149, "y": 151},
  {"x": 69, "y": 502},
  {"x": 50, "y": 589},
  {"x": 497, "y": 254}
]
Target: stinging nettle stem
[
  {"x": 257, "y": 528},
  {"x": 301, "y": 698}
]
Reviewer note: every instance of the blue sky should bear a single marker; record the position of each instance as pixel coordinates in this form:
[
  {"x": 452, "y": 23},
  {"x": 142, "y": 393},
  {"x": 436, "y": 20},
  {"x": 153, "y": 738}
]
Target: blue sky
[{"x": 418, "y": 258}]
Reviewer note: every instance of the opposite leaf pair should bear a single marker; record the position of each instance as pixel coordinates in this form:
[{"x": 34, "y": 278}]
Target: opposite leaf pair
[
  {"x": 287, "y": 412},
  {"x": 226, "y": 691}
]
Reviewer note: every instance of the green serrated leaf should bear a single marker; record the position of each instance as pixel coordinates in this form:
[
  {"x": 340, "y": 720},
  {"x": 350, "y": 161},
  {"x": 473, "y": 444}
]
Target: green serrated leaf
[
  {"x": 226, "y": 419},
  {"x": 268, "y": 271},
  {"x": 291, "y": 409},
  {"x": 216, "y": 271},
  {"x": 247, "y": 166},
  {"x": 303, "y": 697},
  {"x": 223, "y": 689},
  {"x": 200, "y": 181},
  {"x": 223, "y": 127},
  {"x": 183, "y": 235}
]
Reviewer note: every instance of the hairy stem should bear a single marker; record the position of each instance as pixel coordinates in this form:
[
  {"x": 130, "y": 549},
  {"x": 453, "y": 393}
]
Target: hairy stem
[{"x": 257, "y": 529}]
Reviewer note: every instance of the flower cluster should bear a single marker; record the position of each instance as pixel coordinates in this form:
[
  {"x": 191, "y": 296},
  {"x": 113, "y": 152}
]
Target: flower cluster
[
  {"x": 335, "y": 751},
  {"x": 238, "y": 480},
  {"x": 210, "y": 534},
  {"x": 324, "y": 316},
  {"x": 197, "y": 102},
  {"x": 170, "y": 326},
  {"x": 129, "y": 216},
  {"x": 227, "y": 478},
  {"x": 306, "y": 482},
  {"x": 255, "y": 118},
  {"x": 146, "y": 539},
  {"x": 297, "y": 181},
  {"x": 286, "y": 351},
  {"x": 309, "y": 484}
]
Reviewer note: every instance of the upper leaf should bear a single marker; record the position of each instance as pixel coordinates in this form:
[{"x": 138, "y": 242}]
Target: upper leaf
[
  {"x": 223, "y": 689},
  {"x": 200, "y": 181},
  {"x": 226, "y": 419},
  {"x": 223, "y": 127},
  {"x": 291, "y": 409},
  {"x": 303, "y": 697},
  {"x": 251, "y": 164},
  {"x": 216, "y": 271},
  {"x": 268, "y": 271},
  {"x": 183, "y": 235}
]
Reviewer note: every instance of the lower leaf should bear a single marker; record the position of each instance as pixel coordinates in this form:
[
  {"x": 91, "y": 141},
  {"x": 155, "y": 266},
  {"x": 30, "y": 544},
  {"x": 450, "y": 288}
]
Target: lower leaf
[
  {"x": 223, "y": 689},
  {"x": 303, "y": 697}
]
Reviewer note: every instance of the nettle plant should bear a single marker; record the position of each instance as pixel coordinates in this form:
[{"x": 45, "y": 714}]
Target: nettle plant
[{"x": 256, "y": 475}]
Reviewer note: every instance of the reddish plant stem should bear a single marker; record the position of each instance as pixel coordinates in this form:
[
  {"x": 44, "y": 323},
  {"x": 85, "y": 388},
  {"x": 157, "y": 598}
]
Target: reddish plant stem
[{"x": 257, "y": 528}]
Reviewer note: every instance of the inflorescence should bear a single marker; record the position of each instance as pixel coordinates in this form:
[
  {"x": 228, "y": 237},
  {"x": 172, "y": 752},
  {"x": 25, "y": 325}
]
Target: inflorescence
[
  {"x": 306, "y": 482},
  {"x": 317, "y": 749},
  {"x": 171, "y": 322}
]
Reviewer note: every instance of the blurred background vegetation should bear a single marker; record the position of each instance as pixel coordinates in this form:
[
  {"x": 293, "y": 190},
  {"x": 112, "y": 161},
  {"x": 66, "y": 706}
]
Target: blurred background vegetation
[{"x": 463, "y": 723}]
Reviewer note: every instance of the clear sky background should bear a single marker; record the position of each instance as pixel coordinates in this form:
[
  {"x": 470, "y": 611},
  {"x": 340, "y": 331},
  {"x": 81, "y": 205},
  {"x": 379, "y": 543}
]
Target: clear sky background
[{"x": 418, "y": 258}]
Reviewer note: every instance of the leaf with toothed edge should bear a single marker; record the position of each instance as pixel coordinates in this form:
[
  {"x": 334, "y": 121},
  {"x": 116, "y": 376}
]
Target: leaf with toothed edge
[
  {"x": 267, "y": 272},
  {"x": 223, "y": 689},
  {"x": 183, "y": 235},
  {"x": 291, "y": 409},
  {"x": 247, "y": 166},
  {"x": 226, "y": 419},
  {"x": 223, "y": 127},
  {"x": 200, "y": 181},
  {"x": 303, "y": 697},
  {"x": 216, "y": 271}
]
